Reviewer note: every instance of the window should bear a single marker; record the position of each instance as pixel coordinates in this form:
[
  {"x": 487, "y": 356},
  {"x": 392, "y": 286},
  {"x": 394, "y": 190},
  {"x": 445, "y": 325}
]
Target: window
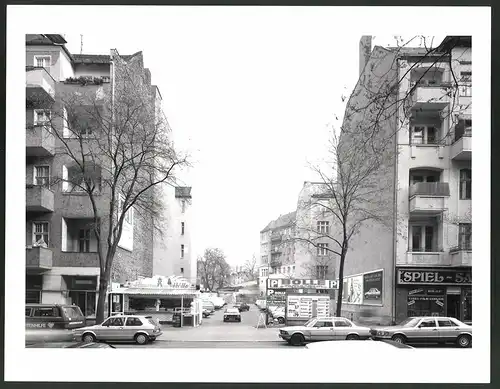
[
  {"x": 465, "y": 184},
  {"x": 182, "y": 270},
  {"x": 465, "y": 236},
  {"x": 41, "y": 233},
  {"x": 465, "y": 90},
  {"x": 446, "y": 323},
  {"x": 43, "y": 61},
  {"x": 322, "y": 249},
  {"x": 84, "y": 240},
  {"x": 42, "y": 117},
  {"x": 85, "y": 300},
  {"x": 428, "y": 323},
  {"x": 182, "y": 228},
  {"x": 33, "y": 297},
  {"x": 423, "y": 238},
  {"x": 427, "y": 135},
  {"x": 323, "y": 227},
  {"x": 133, "y": 322},
  {"x": 182, "y": 251},
  {"x": 321, "y": 272},
  {"x": 466, "y": 76},
  {"x": 183, "y": 206},
  {"x": 342, "y": 323},
  {"x": 115, "y": 321},
  {"x": 45, "y": 312},
  {"x": 27, "y": 312},
  {"x": 466, "y": 81},
  {"x": 42, "y": 175}
]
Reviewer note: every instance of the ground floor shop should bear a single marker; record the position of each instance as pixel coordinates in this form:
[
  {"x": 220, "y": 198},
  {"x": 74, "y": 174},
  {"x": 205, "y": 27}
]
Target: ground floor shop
[
  {"x": 434, "y": 292},
  {"x": 55, "y": 287}
]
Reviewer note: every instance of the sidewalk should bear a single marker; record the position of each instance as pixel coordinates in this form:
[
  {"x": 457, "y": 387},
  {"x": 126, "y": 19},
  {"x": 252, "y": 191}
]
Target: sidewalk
[{"x": 220, "y": 334}]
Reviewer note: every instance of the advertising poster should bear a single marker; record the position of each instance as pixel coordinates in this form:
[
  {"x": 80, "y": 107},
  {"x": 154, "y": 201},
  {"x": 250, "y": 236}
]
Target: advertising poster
[
  {"x": 307, "y": 306},
  {"x": 355, "y": 290},
  {"x": 372, "y": 287},
  {"x": 276, "y": 297},
  {"x": 344, "y": 290}
]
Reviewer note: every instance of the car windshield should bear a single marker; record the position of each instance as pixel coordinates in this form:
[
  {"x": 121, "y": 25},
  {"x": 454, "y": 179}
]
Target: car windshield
[
  {"x": 410, "y": 322},
  {"x": 310, "y": 322}
]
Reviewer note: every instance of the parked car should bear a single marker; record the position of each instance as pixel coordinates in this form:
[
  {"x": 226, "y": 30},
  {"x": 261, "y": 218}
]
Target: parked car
[
  {"x": 54, "y": 316},
  {"x": 372, "y": 293},
  {"x": 232, "y": 314},
  {"x": 331, "y": 328},
  {"x": 278, "y": 314},
  {"x": 368, "y": 347},
  {"x": 66, "y": 345},
  {"x": 140, "y": 329},
  {"x": 242, "y": 306},
  {"x": 427, "y": 329},
  {"x": 209, "y": 306},
  {"x": 206, "y": 313}
]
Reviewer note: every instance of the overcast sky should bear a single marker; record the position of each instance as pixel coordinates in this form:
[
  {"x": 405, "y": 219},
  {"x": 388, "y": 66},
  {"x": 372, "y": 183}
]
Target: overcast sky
[
  {"x": 252, "y": 100},
  {"x": 250, "y": 92}
]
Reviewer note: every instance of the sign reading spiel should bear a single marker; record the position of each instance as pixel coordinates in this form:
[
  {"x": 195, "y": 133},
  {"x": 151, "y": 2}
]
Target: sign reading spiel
[{"x": 433, "y": 277}]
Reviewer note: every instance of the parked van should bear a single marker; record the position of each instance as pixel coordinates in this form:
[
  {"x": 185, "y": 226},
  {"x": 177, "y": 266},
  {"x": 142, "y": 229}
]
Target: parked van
[{"x": 54, "y": 316}]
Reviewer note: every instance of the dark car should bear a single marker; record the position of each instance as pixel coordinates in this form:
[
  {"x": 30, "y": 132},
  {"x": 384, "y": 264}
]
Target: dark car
[
  {"x": 70, "y": 345},
  {"x": 242, "y": 306},
  {"x": 54, "y": 317}
]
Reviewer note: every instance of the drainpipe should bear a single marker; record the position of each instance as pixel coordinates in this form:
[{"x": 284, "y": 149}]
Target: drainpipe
[{"x": 394, "y": 222}]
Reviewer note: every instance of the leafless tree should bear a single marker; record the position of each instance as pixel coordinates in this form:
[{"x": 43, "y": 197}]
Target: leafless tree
[
  {"x": 213, "y": 270},
  {"x": 250, "y": 269},
  {"x": 115, "y": 140}
]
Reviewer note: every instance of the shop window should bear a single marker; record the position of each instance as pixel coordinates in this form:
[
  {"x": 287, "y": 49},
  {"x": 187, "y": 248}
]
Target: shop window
[
  {"x": 425, "y": 305},
  {"x": 33, "y": 297},
  {"x": 86, "y": 300},
  {"x": 468, "y": 305}
]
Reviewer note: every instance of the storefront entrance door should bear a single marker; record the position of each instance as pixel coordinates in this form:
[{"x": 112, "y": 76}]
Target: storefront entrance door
[{"x": 453, "y": 306}]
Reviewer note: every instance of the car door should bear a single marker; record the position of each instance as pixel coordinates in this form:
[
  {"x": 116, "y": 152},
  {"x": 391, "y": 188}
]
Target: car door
[
  {"x": 131, "y": 326},
  {"x": 114, "y": 330},
  {"x": 427, "y": 331},
  {"x": 342, "y": 328},
  {"x": 448, "y": 331},
  {"x": 322, "y": 330}
]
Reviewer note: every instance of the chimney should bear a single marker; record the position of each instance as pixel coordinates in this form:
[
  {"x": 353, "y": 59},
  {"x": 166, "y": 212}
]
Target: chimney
[{"x": 365, "y": 49}]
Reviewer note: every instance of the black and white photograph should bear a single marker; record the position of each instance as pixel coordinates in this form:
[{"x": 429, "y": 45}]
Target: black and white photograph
[{"x": 217, "y": 184}]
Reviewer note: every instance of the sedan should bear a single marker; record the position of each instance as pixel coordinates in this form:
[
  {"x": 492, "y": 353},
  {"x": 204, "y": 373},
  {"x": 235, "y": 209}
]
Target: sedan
[
  {"x": 331, "y": 328},
  {"x": 232, "y": 314},
  {"x": 140, "y": 329},
  {"x": 427, "y": 329}
]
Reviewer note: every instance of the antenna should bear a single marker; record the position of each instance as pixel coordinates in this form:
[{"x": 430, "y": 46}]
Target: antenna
[{"x": 81, "y": 44}]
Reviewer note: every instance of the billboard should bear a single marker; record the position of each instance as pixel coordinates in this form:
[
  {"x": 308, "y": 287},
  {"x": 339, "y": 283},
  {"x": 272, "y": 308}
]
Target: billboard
[
  {"x": 354, "y": 290},
  {"x": 306, "y": 306},
  {"x": 372, "y": 287}
]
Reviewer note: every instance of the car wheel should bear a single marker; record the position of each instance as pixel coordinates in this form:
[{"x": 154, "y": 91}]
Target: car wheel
[
  {"x": 297, "y": 339},
  {"x": 352, "y": 337},
  {"x": 399, "y": 339},
  {"x": 281, "y": 320},
  {"x": 88, "y": 338},
  {"x": 464, "y": 341},
  {"x": 141, "y": 339}
]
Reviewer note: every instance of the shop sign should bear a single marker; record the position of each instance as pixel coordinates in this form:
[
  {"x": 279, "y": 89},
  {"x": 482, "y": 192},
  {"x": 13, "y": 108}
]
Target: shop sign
[
  {"x": 301, "y": 283},
  {"x": 307, "y": 306},
  {"x": 40, "y": 325},
  {"x": 372, "y": 287},
  {"x": 78, "y": 283},
  {"x": 276, "y": 297},
  {"x": 433, "y": 277},
  {"x": 430, "y": 291}
]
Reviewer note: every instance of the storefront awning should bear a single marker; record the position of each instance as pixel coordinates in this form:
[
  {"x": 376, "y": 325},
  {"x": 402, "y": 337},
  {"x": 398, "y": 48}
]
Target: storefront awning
[{"x": 157, "y": 292}]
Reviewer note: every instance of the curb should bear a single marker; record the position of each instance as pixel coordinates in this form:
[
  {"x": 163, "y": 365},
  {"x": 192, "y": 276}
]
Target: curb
[{"x": 219, "y": 341}]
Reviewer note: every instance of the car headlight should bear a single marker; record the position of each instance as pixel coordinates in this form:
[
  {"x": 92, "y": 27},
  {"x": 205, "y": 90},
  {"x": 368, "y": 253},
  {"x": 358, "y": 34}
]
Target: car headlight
[{"x": 382, "y": 333}]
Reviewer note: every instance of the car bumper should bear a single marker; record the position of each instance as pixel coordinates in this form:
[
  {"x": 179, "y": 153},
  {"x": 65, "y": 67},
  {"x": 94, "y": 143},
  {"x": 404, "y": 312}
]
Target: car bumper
[
  {"x": 285, "y": 336},
  {"x": 232, "y": 318},
  {"x": 155, "y": 335}
]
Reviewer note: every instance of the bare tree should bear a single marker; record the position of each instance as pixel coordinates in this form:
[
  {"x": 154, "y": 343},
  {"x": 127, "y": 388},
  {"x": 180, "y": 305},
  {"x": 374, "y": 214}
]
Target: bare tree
[
  {"x": 113, "y": 139},
  {"x": 213, "y": 270},
  {"x": 250, "y": 269}
]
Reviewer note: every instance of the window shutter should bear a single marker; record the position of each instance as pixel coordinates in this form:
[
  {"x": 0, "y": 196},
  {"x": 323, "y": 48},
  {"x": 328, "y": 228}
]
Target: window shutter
[
  {"x": 66, "y": 131},
  {"x": 64, "y": 235},
  {"x": 65, "y": 183}
]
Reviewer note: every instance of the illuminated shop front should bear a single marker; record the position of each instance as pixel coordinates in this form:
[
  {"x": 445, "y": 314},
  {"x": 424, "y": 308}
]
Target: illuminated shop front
[{"x": 434, "y": 292}]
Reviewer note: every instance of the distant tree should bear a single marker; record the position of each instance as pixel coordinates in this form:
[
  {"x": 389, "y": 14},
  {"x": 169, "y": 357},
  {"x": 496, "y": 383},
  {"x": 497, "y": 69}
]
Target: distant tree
[
  {"x": 213, "y": 270},
  {"x": 250, "y": 269}
]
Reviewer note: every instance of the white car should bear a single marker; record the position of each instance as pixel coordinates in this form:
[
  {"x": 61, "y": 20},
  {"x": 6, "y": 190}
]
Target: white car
[
  {"x": 330, "y": 328},
  {"x": 372, "y": 293}
]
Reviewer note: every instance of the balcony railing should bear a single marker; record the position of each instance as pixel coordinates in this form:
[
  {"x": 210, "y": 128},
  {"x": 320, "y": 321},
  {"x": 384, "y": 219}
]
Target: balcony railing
[
  {"x": 424, "y": 258},
  {"x": 440, "y": 189},
  {"x": 38, "y": 258},
  {"x": 429, "y": 198},
  {"x": 430, "y": 96},
  {"x": 461, "y": 149},
  {"x": 461, "y": 255},
  {"x": 40, "y": 142},
  {"x": 40, "y": 86},
  {"x": 68, "y": 259},
  {"x": 39, "y": 199}
]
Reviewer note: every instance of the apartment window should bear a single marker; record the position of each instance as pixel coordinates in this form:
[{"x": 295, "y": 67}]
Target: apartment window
[
  {"x": 84, "y": 240},
  {"x": 42, "y": 117},
  {"x": 423, "y": 238},
  {"x": 466, "y": 76},
  {"x": 182, "y": 228},
  {"x": 322, "y": 249},
  {"x": 465, "y": 236},
  {"x": 183, "y": 206},
  {"x": 43, "y": 61},
  {"x": 323, "y": 227},
  {"x": 42, "y": 175},
  {"x": 465, "y": 90},
  {"x": 293, "y": 268},
  {"x": 41, "y": 233},
  {"x": 182, "y": 251},
  {"x": 427, "y": 135},
  {"x": 321, "y": 272},
  {"x": 465, "y": 184},
  {"x": 288, "y": 270},
  {"x": 182, "y": 270}
]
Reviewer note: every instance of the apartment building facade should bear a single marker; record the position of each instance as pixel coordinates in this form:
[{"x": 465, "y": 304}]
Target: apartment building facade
[
  {"x": 423, "y": 262},
  {"x": 172, "y": 250},
  {"x": 62, "y": 264}
]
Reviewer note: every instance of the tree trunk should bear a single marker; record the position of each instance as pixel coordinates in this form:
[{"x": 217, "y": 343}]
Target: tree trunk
[
  {"x": 103, "y": 289},
  {"x": 341, "y": 284}
]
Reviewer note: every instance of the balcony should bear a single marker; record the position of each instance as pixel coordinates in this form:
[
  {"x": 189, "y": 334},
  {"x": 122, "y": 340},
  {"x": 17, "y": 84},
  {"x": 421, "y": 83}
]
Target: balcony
[
  {"x": 38, "y": 259},
  {"x": 40, "y": 142},
  {"x": 39, "y": 199},
  {"x": 430, "y": 97},
  {"x": 429, "y": 198},
  {"x": 435, "y": 258},
  {"x": 40, "y": 86},
  {"x": 461, "y": 256},
  {"x": 275, "y": 237},
  {"x": 461, "y": 149},
  {"x": 68, "y": 259}
]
